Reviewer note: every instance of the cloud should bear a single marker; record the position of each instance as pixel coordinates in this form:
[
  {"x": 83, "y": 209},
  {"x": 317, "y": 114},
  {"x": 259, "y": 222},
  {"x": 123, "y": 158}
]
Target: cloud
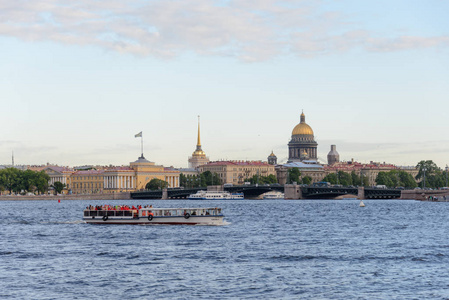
[{"x": 249, "y": 30}]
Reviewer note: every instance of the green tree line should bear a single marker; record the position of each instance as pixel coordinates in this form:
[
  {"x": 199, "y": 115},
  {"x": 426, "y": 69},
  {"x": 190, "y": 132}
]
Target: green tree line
[
  {"x": 294, "y": 175},
  {"x": 270, "y": 179},
  {"x": 202, "y": 180},
  {"x": 16, "y": 181},
  {"x": 430, "y": 175},
  {"x": 346, "y": 179},
  {"x": 396, "y": 178}
]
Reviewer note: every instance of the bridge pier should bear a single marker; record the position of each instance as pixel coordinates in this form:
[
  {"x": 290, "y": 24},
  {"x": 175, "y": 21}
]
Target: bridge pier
[
  {"x": 361, "y": 193},
  {"x": 292, "y": 192},
  {"x": 164, "y": 194}
]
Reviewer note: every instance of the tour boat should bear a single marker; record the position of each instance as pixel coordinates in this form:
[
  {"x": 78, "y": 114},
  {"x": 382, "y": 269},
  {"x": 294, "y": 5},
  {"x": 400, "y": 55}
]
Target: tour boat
[
  {"x": 212, "y": 195},
  {"x": 156, "y": 216},
  {"x": 273, "y": 195}
]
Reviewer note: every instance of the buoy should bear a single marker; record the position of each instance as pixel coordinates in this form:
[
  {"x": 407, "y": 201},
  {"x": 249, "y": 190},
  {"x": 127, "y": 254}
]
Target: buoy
[
  {"x": 361, "y": 203},
  {"x": 59, "y": 200}
]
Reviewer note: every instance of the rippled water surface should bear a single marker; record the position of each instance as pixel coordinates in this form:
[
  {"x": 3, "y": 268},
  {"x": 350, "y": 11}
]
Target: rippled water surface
[{"x": 317, "y": 249}]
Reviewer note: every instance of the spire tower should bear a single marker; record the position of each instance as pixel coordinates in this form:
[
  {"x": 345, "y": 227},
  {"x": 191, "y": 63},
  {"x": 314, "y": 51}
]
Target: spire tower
[
  {"x": 198, "y": 157},
  {"x": 198, "y": 144}
]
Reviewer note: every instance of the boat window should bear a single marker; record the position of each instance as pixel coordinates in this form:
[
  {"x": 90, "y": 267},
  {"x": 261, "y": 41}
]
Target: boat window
[
  {"x": 101, "y": 213},
  {"x": 119, "y": 213},
  {"x": 127, "y": 213},
  {"x": 110, "y": 213},
  {"x": 93, "y": 213},
  {"x": 86, "y": 213}
]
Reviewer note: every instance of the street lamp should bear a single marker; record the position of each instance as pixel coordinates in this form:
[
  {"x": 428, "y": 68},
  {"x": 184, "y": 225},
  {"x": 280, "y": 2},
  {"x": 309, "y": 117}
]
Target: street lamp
[{"x": 424, "y": 180}]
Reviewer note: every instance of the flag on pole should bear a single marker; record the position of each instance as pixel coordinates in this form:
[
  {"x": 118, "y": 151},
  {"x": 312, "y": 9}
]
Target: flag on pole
[{"x": 139, "y": 134}]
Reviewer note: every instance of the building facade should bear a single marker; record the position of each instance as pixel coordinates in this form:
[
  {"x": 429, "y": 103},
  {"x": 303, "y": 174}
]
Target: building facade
[
  {"x": 87, "y": 182},
  {"x": 236, "y": 172},
  {"x": 307, "y": 168},
  {"x": 114, "y": 179},
  {"x": 61, "y": 174}
]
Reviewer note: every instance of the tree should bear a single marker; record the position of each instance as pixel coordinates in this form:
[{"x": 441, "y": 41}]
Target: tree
[
  {"x": 10, "y": 179},
  {"x": 156, "y": 184},
  {"x": 293, "y": 175},
  {"x": 355, "y": 179},
  {"x": 407, "y": 180},
  {"x": 28, "y": 180},
  {"x": 331, "y": 178},
  {"x": 344, "y": 178},
  {"x": 216, "y": 180},
  {"x": 396, "y": 178},
  {"x": 434, "y": 177},
  {"x": 58, "y": 186},
  {"x": 41, "y": 181},
  {"x": 307, "y": 180},
  {"x": 384, "y": 179},
  {"x": 182, "y": 180},
  {"x": 270, "y": 179}
]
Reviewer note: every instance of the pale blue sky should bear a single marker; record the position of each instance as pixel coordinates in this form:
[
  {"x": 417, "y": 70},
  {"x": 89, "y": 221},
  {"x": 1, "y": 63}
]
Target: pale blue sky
[{"x": 79, "y": 79}]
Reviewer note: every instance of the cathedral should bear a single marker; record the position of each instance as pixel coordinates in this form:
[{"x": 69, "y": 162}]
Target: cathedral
[{"x": 302, "y": 146}]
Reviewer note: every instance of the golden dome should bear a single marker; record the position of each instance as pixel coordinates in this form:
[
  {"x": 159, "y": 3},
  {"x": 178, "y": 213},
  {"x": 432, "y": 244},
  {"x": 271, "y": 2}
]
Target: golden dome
[
  {"x": 272, "y": 154},
  {"x": 199, "y": 153},
  {"x": 302, "y": 128}
]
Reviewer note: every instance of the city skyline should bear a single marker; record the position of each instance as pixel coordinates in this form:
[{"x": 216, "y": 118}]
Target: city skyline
[{"x": 79, "y": 81}]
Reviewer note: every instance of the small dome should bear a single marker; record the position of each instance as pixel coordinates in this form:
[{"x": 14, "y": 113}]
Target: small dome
[
  {"x": 302, "y": 128},
  {"x": 272, "y": 154}
]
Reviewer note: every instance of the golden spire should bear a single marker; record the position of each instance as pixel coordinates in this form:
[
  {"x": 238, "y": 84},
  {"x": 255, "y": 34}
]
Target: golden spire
[
  {"x": 199, "y": 151},
  {"x": 199, "y": 140}
]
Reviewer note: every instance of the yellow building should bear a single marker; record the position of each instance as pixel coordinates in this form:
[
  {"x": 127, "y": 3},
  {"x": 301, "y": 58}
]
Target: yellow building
[
  {"x": 123, "y": 178},
  {"x": 61, "y": 174},
  {"x": 236, "y": 172},
  {"x": 146, "y": 170},
  {"x": 87, "y": 182}
]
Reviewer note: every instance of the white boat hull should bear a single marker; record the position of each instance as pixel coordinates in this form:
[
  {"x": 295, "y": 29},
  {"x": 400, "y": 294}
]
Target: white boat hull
[{"x": 158, "y": 220}]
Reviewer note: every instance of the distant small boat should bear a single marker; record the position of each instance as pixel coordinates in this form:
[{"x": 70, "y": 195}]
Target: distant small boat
[{"x": 361, "y": 203}]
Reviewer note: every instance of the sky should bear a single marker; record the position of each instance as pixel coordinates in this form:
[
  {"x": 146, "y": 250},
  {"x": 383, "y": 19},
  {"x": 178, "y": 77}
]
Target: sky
[{"x": 78, "y": 79}]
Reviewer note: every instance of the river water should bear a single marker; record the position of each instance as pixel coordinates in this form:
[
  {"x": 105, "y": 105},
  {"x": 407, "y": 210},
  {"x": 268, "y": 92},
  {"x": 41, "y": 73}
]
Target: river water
[{"x": 317, "y": 249}]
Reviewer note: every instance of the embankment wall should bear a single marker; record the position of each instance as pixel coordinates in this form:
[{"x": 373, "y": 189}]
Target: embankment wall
[{"x": 115, "y": 196}]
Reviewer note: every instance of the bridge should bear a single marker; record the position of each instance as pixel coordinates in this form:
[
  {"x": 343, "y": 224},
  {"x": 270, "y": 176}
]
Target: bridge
[
  {"x": 249, "y": 191},
  {"x": 255, "y": 190},
  {"x": 312, "y": 192}
]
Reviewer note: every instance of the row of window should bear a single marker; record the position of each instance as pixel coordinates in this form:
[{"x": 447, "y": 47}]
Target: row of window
[
  {"x": 87, "y": 185},
  {"x": 87, "y": 177}
]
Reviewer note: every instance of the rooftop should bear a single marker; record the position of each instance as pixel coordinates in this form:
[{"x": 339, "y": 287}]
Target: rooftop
[{"x": 238, "y": 163}]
